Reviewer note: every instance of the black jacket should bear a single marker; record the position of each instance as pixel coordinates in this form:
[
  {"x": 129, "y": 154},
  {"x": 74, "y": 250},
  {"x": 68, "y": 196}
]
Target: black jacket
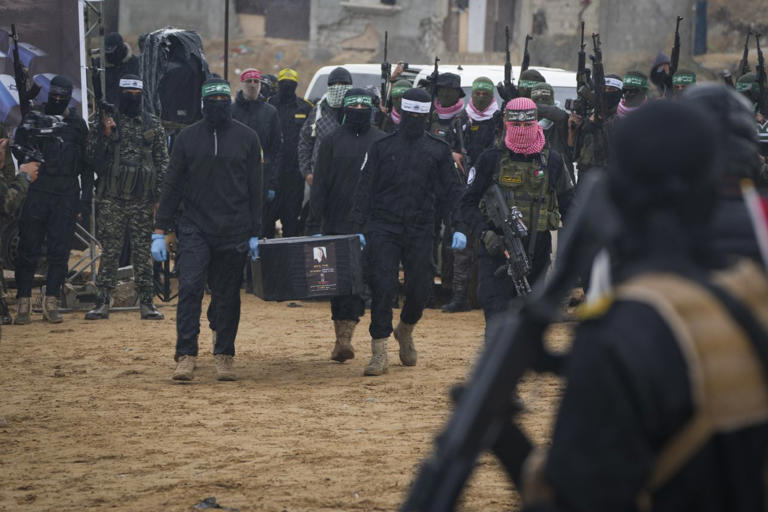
[
  {"x": 482, "y": 135},
  {"x": 472, "y": 220},
  {"x": 65, "y": 159},
  {"x": 292, "y": 115},
  {"x": 264, "y": 120},
  {"x": 336, "y": 173},
  {"x": 557, "y": 134},
  {"x": 733, "y": 233},
  {"x": 216, "y": 175},
  {"x": 404, "y": 183},
  {"x": 628, "y": 391}
]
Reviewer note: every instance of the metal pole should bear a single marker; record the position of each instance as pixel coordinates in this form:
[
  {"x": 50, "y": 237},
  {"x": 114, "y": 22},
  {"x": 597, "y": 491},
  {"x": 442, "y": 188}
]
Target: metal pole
[{"x": 226, "y": 40}]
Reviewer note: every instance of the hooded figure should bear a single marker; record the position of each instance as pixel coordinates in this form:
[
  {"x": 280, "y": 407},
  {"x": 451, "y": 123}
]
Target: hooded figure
[
  {"x": 660, "y": 74},
  {"x": 120, "y": 61}
]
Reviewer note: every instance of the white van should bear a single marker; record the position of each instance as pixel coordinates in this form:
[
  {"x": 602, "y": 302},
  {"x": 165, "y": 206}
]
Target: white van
[
  {"x": 363, "y": 75},
  {"x": 561, "y": 80}
]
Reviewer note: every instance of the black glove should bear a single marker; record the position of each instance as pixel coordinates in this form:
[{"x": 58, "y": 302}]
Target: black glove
[
  {"x": 493, "y": 243},
  {"x": 507, "y": 92}
]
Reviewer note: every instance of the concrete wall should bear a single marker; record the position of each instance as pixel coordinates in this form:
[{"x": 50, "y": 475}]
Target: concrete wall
[
  {"x": 415, "y": 28},
  {"x": 206, "y": 17}
]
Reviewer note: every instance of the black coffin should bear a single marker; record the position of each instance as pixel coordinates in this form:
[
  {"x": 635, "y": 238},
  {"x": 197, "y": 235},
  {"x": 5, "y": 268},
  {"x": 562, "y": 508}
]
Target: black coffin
[{"x": 306, "y": 267}]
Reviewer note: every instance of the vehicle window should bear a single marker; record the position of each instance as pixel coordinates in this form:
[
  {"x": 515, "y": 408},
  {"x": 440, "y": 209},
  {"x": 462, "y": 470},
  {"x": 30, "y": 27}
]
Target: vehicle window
[{"x": 563, "y": 93}]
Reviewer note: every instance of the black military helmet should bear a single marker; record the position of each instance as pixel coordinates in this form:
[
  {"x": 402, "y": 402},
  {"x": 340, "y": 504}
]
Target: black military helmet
[
  {"x": 339, "y": 76},
  {"x": 450, "y": 81}
]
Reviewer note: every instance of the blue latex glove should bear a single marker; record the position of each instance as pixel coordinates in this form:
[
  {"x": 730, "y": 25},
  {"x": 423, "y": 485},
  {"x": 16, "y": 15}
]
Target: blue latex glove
[
  {"x": 158, "y": 250},
  {"x": 362, "y": 240},
  {"x": 253, "y": 248},
  {"x": 270, "y": 195},
  {"x": 459, "y": 241}
]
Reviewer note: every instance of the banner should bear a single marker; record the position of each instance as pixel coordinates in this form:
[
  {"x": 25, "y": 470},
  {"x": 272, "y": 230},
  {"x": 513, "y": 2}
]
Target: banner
[{"x": 50, "y": 43}]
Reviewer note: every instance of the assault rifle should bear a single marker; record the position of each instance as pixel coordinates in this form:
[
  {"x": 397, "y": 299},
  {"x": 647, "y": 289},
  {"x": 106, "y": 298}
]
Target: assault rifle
[
  {"x": 526, "y": 55},
  {"x": 510, "y": 221},
  {"x": 507, "y": 61},
  {"x": 386, "y": 73},
  {"x": 19, "y": 75},
  {"x": 483, "y": 419},
  {"x": 744, "y": 64},
  {"x": 598, "y": 78},
  {"x": 581, "y": 69},
  {"x": 761, "y": 107},
  {"x": 675, "y": 58},
  {"x": 433, "y": 77}
]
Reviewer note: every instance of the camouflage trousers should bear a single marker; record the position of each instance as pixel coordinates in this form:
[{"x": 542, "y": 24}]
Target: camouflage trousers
[{"x": 113, "y": 217}]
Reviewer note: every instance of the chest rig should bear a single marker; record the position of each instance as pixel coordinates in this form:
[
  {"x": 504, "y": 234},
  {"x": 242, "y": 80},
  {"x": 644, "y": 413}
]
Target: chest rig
[
  {"x": 528, "y": 186},
  {"x": 132, "y": 174}
]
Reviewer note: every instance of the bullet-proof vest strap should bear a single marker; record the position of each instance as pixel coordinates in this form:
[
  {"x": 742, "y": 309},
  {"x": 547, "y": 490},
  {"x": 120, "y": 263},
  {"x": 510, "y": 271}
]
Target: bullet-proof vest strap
[{"x": 727, "y": 378}]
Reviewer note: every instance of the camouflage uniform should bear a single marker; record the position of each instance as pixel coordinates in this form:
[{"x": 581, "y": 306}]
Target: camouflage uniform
[
  {"x": 13, "y": 190},
  {"x": 134, "y": 159}
]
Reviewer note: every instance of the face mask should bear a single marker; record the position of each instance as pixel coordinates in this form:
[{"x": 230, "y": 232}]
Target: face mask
[
  {"x": 612, "y": 99},
  {"x": 447, "y": 97},
  {"x": 130, "y": 104},
  {"x": 481, "y": 101},
  {"x": 634, "y": 97},
  {"x": 413, "y": 126},
  {"x": 357, "y": 119},
  {"x": 56, "y": 105},
  {"x": 335, "y": 95},
  {"x": 526, "y": 139},
  {"x": 251, "y": 91},
  {"x": 217, "y": 112},
  {"x": 286, "y": 89},
  {"x": 116, "y": 57}
]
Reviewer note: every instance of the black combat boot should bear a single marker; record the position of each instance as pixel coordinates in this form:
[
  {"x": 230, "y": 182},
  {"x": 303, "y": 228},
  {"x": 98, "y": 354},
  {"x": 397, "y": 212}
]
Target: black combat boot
[
  {"x": 149, "y": 311},
  {"x": 101, "y": 309},
  {"x": 458, "y": 302},
  {"x": 5, "y": 314}
]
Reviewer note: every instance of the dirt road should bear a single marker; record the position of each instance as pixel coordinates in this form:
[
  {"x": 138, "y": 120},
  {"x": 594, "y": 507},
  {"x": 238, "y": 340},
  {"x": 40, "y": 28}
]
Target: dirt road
[{"x": 91, "y": 419}]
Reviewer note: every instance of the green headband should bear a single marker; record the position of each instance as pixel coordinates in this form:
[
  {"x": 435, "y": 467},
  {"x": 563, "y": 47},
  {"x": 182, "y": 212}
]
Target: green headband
[
  {"x": 683, "y": 79},
  {"x": 358, "y": 99},
  {"x": 529, "y": 84},
  {"x": 635, "y": 81},
  {"x": 747, "y": 86},
  {"x": 482, "y": 85},
  {"x": 398, "y": 91},
  {"x": 216, "y": 88}
]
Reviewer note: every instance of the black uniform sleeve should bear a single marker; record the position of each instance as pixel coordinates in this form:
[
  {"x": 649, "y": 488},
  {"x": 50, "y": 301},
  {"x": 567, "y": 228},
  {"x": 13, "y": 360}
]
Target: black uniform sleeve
[
  {"x": 472, "y": 221},
  {"x": 361, "y": 207},
  {"x": 553, "y": 113},
  {"x": 255, "y": 185},
  {"x": 320, "y": 185},
  {"x": 271, "y": 148},
  {"x": 306, "y": 143},
  {"x": 172, "y": 184},
  {"x": 562, "y": 182}
]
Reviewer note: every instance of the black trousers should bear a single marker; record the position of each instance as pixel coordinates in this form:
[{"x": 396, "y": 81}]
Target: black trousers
[
  {"x": 286, "y": 206},
  {"x": 495, "y": 293},
  {"x": 221, "y": 262},
  {"x": 384, "y": 252},
  {"x": 48, "y": 217}
]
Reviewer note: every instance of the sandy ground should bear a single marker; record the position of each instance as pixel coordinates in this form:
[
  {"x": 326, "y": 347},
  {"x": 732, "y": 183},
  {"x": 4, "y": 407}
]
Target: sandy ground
[{"x": 92, "y": 420}]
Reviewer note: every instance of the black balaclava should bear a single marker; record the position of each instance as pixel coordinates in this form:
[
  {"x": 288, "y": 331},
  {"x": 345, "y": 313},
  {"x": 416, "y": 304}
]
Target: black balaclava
[
  {"x": 612, "y": 98},
  {"x": 217, "y": 112},
  {"x": 358, "y": 120},
  {"x": 665, "y": 196},
  {"x": 130, "y": 104},
  {"x": 415, "y": 107},
  {"x": 286, "y": 90},
  {"x": 115, "y": 49},
  {"x": 59, "y": 95}
]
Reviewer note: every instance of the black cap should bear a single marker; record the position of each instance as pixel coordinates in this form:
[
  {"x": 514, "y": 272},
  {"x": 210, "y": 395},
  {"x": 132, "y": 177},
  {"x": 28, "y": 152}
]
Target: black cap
[
  {"x": 339, "y": 76},
  {"x": 112, "y": 41},
  {"x": 450, "y": 81},
  {"x": 417, "y": 94}
]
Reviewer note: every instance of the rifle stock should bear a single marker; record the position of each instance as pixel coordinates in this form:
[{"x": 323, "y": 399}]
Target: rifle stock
[{"x": 598, "y": 78}]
